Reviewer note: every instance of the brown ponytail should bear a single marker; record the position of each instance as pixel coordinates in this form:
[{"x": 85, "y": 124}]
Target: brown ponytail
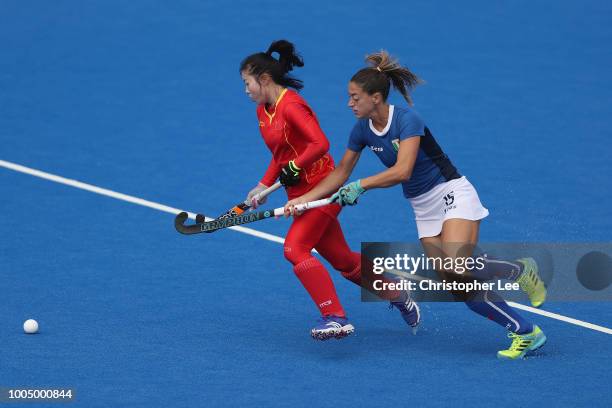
[{"x": 384, "y": 71}]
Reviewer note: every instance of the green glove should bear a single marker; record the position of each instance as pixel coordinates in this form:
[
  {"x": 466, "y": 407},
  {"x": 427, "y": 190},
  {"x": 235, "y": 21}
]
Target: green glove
[{"x": 348, "y": 194}]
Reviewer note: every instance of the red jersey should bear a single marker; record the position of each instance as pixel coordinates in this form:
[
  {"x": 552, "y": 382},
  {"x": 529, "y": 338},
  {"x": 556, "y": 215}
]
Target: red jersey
[{"x": 292, "y": 132}]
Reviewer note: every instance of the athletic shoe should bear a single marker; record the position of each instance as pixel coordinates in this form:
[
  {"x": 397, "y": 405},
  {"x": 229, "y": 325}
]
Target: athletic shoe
[
  {"x": 522, "y": 344},
  {"x": 332, "y": 327},
  {"x": 531, "y": 283},
  {"x": 409, "y": 310}
]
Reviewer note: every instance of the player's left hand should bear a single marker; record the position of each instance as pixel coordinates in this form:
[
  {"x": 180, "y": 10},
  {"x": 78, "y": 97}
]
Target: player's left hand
[
  {"x": 348, "y": 194},
  {"x": 290, "y": 175}
]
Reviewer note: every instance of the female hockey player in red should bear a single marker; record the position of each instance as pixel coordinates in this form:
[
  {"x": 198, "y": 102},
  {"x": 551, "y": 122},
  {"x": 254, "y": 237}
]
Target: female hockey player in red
[
  {"x": 446, "y": 205},
  {"x": 300, "y": 158}
]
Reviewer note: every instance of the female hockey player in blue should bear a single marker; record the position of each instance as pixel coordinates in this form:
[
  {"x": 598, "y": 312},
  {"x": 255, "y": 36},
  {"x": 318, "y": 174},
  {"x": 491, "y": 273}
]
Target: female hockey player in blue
[{"x": 446, "y": 205}]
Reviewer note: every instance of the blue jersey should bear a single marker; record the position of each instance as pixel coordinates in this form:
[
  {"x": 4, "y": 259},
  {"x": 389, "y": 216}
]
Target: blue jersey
[{"x": 432, "y": 166}]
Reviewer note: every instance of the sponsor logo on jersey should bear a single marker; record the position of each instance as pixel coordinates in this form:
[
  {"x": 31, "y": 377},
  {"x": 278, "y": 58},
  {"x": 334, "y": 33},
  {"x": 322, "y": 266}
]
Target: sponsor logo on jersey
[
  {"x": 449, "y": 202},
  {"x": 449, "y": 199}
]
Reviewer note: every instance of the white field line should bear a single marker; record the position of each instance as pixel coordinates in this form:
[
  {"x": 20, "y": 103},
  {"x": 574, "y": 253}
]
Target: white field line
[
  {"x": 244, "y": 230},
  {"x": 521, "y": 306},
  {"x": 125, "y": 197},
  {"x": 561, "y": 317}
]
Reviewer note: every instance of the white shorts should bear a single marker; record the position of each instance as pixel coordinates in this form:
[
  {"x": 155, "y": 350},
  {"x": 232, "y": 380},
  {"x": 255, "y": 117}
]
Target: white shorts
[{"x": 454, "y": 199}]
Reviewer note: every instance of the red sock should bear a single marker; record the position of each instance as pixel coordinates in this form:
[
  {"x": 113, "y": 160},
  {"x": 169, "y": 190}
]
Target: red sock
[
  {"x": 354, "y": 274},
  {"x": 316, "y": 280},
  {"x": 369, "y": 277}
]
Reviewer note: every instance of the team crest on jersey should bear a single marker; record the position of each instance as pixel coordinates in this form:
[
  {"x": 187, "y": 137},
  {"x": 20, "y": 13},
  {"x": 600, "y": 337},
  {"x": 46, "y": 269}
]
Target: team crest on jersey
[{"x": 395, "y": 143}]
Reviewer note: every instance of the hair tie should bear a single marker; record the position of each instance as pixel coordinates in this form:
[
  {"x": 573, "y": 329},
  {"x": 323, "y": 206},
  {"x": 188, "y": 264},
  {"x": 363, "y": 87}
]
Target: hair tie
[{"x": 379, "y": 70}]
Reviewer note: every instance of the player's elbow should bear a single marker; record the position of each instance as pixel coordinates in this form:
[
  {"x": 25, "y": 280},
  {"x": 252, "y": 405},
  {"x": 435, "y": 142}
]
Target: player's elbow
[
  {"x": 403, "y": 175},
  {"x": 325, "y": 145},
  {"x": 322, "y": 148}
]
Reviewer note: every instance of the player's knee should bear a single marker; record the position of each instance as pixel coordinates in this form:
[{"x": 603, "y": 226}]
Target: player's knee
[
  {"x": 354, "y": 275},
  {"x": 295, "y": 253},
  {"x": 347, "y": 264},
  {"x": 350, "y": 267}
]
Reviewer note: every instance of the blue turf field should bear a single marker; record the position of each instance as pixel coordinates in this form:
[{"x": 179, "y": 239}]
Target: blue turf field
[{"x": 144, "y": 98}]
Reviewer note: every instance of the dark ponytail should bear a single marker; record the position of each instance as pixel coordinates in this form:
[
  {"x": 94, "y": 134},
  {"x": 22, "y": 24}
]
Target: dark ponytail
[
  {"x": 384, "y": 71},
  {"x": 264, "y": 63}
]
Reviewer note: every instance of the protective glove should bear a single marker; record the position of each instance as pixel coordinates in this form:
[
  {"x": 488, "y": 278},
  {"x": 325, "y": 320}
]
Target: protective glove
[
  {"x": 348, "y": 195},
  {"x": 251, "y": 199},
  {"x": 290, "y": 174}
]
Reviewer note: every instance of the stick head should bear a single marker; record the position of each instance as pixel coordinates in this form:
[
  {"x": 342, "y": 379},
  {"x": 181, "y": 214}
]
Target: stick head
[
  {"x": 179, "y": 222},
  {"x": 181, "y": 218}
]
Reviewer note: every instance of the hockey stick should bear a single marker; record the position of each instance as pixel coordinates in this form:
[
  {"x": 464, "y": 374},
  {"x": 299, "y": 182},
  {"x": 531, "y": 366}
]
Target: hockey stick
[
  {"x": 240, "y": 208},
  {"x": 220, "y": 223},
  {"x": 243, "y": 206}
]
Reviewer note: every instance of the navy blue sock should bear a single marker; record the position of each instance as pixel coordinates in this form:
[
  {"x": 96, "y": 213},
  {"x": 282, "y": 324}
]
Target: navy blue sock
[
  {"x": 490, "y": 305},
  {"x": 497, "y": 269}
]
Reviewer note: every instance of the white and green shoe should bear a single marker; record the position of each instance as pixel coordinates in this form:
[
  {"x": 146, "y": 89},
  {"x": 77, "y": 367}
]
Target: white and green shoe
[
  {"x": 531, "y": 283},
  {"x": 522, "y": 344}
]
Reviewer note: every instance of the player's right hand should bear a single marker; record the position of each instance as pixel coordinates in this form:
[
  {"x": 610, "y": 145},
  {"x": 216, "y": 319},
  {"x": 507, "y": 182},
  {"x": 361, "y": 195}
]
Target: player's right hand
[
  {"x": 290, "y": 206},
  {"x": 251, "y": 198}
]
